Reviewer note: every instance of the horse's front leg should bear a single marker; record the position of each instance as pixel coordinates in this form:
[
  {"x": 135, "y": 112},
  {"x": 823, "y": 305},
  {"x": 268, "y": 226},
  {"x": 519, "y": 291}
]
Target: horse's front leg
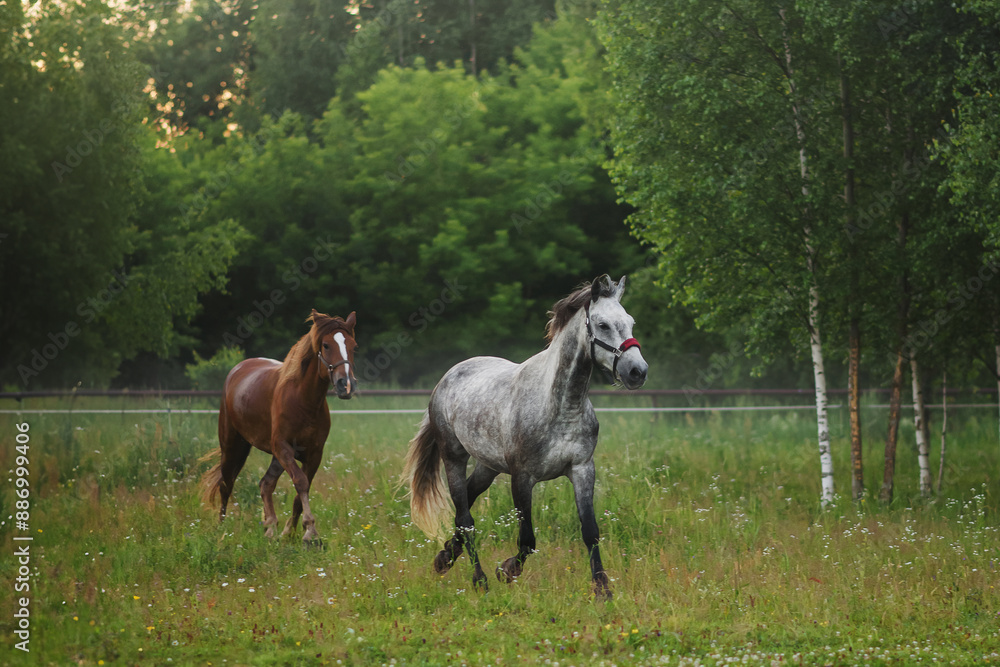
[
  {"x": 286, "y": 456},
  {"x": 309, "y": 466},
  {"x": 582, "y": 478},
  {"x": 521, "y": 487}
]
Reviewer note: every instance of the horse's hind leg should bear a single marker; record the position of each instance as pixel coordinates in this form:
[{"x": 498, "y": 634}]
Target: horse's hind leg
[
  {"x": 465, "y": 527},
  {"x": 475, "y": 485},
  {"x": 235, "y": 450},
  {"x": 267, "y": 484},
  {"x": 521, "y": 487}
]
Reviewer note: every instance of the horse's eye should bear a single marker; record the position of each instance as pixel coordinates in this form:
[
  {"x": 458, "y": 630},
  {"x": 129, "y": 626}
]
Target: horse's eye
[
  {"x": 325, "y": 346},
  {"x": 604, "y": 326}
]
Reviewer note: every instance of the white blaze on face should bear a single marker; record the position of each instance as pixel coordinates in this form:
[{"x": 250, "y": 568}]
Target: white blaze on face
[{"x": 340, "y": 339}]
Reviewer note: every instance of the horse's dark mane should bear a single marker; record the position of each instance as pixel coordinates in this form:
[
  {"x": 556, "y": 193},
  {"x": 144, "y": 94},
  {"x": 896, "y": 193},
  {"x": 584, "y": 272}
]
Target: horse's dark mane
[
  {"x": 302, "y": 352},
  {"x": 564, "y": 309}
]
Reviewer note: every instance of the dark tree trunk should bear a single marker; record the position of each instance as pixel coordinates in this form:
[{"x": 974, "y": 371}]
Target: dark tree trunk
[
  {"x": 854, "y": 342},
  {"x": 896, "y": 394},
  {"x": 472, "y": 37},
  {"x": 944, "y": 426},
  {"x": 854, "y": 408}
]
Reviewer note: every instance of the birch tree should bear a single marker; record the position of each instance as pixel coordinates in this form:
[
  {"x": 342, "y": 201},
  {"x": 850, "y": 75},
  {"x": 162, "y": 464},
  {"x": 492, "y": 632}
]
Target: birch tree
[
  {"x": 815, "y": 337},
  {"x": 920, "y": 428},
  {"x": 735, "y": 141},
  {"x": 714, "y": 145}
]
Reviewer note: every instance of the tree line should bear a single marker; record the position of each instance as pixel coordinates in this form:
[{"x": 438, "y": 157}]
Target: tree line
[
  {"x": 202, "y": 178},
  {"x": 821, "y": 177}
]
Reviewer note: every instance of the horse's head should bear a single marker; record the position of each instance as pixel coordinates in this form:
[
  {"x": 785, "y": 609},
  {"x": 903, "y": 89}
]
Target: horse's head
[
  {"x": 609, "y": 329},
  {"x": 334, "y": 344}
]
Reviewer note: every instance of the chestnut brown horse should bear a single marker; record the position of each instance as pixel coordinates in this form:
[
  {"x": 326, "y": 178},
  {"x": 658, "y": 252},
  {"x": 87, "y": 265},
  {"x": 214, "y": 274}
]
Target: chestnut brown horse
[{"x": 281, "y": 408}]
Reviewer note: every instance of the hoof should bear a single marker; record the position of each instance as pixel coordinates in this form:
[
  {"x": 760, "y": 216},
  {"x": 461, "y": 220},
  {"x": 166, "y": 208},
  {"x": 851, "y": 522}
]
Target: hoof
[
  {"x": 601, "y": 590},
  {"x": 310, "y": 535},
  {"x": 269, "y": 532},
  {"x": 509, "y": 570},
  {"x": 479, "y": 582},
  {"x": 443, "y": 561}
]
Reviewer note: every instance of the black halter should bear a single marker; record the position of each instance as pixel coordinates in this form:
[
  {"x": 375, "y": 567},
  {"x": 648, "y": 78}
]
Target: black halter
[
  {"x": 626, "y": 345},
  {"x": 329, "y": 366}
]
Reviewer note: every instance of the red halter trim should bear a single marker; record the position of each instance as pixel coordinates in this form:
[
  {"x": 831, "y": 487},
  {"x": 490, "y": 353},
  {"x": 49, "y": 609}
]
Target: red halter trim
[{"x": 629, "y": 342}]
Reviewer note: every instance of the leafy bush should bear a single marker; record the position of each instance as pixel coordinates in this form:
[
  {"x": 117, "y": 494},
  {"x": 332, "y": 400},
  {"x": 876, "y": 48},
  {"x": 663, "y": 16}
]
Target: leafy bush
[{"x": 211, "y": 373}]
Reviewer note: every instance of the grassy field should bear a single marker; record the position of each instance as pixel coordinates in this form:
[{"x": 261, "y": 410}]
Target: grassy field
[{"x": 711, "y": 532}]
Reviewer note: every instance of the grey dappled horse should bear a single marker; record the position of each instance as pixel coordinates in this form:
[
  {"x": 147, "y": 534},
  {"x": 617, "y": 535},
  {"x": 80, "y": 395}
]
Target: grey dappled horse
[{"x": 533, "y": 421}]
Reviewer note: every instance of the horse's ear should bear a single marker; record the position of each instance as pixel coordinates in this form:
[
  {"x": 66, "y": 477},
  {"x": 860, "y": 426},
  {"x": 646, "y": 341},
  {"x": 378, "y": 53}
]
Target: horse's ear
[
  {"x": 618, "y": 289},
  {"x": 599, "y": 287},
  {"x": 351, "y": 320},
  {"x": 312, "y": 316}
]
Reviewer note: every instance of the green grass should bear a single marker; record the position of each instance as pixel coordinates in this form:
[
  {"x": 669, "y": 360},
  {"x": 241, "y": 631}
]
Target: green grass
[{"x": 711, "y": 532}]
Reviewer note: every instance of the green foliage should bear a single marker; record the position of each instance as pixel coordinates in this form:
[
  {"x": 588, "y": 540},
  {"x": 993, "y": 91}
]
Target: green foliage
[
  {"x": 289, "y": 156},
  {"x": 298, "y": 46},
  {"x": 70, "y": 175},
  {"x": 97, "y": 264},
  {"x": 970, "y": 153},
  {"x": 474, "y": 36},
  {"x": 197, "y": 55},
  {"x": 210, "y": 374},
  {"x": 481, "y": 184},
  {"x": 721, "y": 106},
  {"x": 449, "y": 211}
]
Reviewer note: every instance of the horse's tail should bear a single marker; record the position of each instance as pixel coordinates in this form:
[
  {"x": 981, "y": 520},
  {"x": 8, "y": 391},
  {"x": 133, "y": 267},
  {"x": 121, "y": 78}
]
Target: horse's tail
[
  {"x": 423, "y": 475},
  {"x": 211, "y": 479}
]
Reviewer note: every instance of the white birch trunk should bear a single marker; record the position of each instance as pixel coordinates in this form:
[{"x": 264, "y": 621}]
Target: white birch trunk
[
  {"x": 815, "y": 340},
  {"x": 819, "y": 377},
  {"x": 919, "y": 419}
]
